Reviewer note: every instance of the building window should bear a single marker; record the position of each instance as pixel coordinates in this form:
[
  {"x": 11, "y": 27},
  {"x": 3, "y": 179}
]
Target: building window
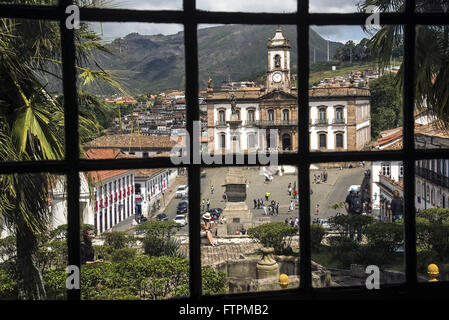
[
  {"x": 322, "y": 137},
  {"x": 251, "y": 117},
  {"x": 285, "y": 115},
  {"x": 270, "y": 115},
  {"x": 322, "y": 115},
  {"x": 222, "y": 141},
  {"x": 386, "y": 169},
  {"x": 339, "y": 140},
  {"x": 251, "y": 140}
]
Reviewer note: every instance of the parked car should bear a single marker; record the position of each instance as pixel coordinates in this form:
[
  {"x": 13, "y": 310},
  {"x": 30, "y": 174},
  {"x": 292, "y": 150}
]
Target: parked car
[
  {"x": 181, "y": 219},
  {"x": 182, "y": 191},
  {"x": 216, "y": 211},
  {"x": 186, "y": 197},
  {"x": 161, "y": 217},
  {"x": 182, "y": 209}
]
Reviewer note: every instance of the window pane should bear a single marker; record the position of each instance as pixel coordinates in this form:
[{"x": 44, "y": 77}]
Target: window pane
[
  {"x": 431, "y": 203},
  {"x": 355, "y": 229},
  {"x": 248, "y": 6},
  {"x": 236, "y": 86},
  {"x": 349, "y": 6},
  {"x": 135, "y": 107},
  {"x": 136, "y": 5},
  {"x": 128, "y": 210},
  {"x": 33, "y": 244},
  {"x": 353, "y": 92},
  {"x": 31, "y": 98},
  {"x": 431, "y": 106},
  {"x": 245, "y": 204}
]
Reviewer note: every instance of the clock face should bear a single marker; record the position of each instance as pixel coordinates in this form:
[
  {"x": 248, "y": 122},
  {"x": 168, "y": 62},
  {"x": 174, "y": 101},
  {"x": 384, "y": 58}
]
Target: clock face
[{"x": 277, "y": 77}]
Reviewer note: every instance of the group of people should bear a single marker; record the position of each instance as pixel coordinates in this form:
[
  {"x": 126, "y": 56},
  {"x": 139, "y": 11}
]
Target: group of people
[
  {"x": 205, "y": 205},
  {"x": 292, "y": 223},
  {"x": 322, "y": 177},
  {"x": 292, "y": 192},
  {"x": 271, "y": 209}
]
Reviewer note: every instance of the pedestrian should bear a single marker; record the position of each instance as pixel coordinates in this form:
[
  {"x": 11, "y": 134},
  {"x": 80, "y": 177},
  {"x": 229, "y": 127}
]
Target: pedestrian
[
  {"x": 290, "y": 191},
  {"x": 264, "y": 210},
  {"x": 277, "y": 208},
  {"x": 396, "y": 206},
  {"x": 294, "y": 184},
  {"x": 208, "y": 204},
  {"x": 292, "y": 206},
  {"x": 317, "y": 209},
  {"x": 211, "y": 189},
  {"x": 295, "y": 193},
  {"x": 296, "y": 223},
  {"x": 292, "y": 223},
  {"x": 286, "y": 220},
  {"x": 267, "y": 195},
  {"x": 258, "y": 203},
  {"x": 255, "y": 204},
  {"x": 202, "y": 205}
]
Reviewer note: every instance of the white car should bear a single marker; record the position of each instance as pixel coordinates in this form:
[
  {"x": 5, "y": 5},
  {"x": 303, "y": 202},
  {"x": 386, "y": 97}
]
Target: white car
[
  {"x": 182, "y": 191},
  {"x": 181, "y": 219}
]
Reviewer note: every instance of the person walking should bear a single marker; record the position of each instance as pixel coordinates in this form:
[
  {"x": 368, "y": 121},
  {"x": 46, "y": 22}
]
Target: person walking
[
  {"x": 255, "y": 204},
  {"x": 208, "y": 204},
  {"x": 396, "y": 206},
  {"x": 353, "y": 205},
  {"x": 267, "y": 196},
  {"x": 211, "y": 189},
  {"x": 317, "y": 209},
  {"x": 202, "y": 205},
  {"x": 277, "y": 208},
  {"x": 264, "y": 210},
  {"x": 292, "y": 206}
]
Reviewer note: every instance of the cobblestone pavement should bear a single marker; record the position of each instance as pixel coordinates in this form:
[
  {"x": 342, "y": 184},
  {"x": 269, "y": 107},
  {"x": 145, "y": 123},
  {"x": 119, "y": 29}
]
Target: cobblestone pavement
[{"x": 324, "y": 194}]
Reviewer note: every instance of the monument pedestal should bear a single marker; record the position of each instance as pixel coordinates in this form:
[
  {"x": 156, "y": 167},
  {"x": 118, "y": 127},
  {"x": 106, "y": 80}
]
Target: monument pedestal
[{"x": 237, "y": 214}]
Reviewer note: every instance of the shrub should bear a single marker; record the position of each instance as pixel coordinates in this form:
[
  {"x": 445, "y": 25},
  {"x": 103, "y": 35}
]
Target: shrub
[
  {"x": 123, "y": 254},
  {"x": 117, "y": 239},
  {"x": 158, "y": 246},
  {"x": 386, "y": 237},
  {"x": 439, "y": 240},
  {"x": 164, "y": 229},
  {"x": 317, "y": 232},
  {"x": 344, "y": 250},
  {"x": 55, "y": 284},
  {"x": 423, "y": 259},
  {"x": 214, "y": 281},
  {"x": 343, "y": 223},
  {"x": 435, "y": 215},
  {"x": 274, "y": 234},
  {"x": 104, "y": 251},
  {"x": 8, "y": 287}
]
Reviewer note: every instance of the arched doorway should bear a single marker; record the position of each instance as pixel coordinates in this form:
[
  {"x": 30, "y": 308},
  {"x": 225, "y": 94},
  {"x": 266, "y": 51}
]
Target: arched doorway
[{"x": 286, "y": 142}]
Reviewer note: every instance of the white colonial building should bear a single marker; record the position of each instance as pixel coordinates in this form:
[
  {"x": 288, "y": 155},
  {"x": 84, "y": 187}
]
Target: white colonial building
[{"x": 339, "y": 117}]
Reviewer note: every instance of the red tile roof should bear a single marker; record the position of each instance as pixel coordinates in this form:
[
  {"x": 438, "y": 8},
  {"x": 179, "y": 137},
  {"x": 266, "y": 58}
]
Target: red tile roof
[{"x": 126, "y": 141}]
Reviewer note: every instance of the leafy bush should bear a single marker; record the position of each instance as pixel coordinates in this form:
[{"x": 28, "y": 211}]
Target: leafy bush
[
  {"x": 55, "y": 284},
  {"x": 105, "y": 251},
  {"x": 386, "y": 237},
  {"x": 439, "y": 240},
  {"x": 317, "y": 232},
  {"x": 214, "y": 282},
  {"x": 164, "y": 229},
  {"x": 274, "y": 234},
  {"x": 343, "y": 223},
  {"x": 435, "y": 215},
  {"x": 158, "y": 246},
  {"x": 118, "y": 239},
  {"x": 344, "y": 250},
  {"x": 423, "y": 259},
  {"x": 8, "y": 287},
  {"x": 8, "y": 248},
  {"x": 123, "y": 254}
]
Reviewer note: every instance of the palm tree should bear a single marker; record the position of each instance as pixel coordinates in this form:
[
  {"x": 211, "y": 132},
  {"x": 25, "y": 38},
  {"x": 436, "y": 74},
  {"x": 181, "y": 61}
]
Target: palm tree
[
  {"x": 431, "y": 57},
  {"x": 32, "y": 128}
]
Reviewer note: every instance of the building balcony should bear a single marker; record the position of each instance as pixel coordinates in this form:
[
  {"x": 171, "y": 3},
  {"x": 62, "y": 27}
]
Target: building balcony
[
  {"x": 221, "y": 123},
  {"x": 338, "y": 121},
  {"x": 319, "y": 122},
  {"x": 432, "y": 177},
  {"x": 276, "y": 123}
]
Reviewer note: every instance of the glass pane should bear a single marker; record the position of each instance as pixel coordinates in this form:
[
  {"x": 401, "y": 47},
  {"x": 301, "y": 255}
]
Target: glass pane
[
  {"x": 140, "y": 222},
  {"x": 431, "y": 6},
  {"x": 33, "y": 244},
  {"x": 432, "y": 228},
  {"x": 135, "y": 5},
  {"x": 31, "y": 98},
  {"x": 357, "y": 223},
  {"x": 252, "y": 93},
  {"x": 355, "y": 97},
  {"x": 431, "y": 107},
  {"x": 135, "y": 106},
  {"x": 249, "y": 210},
  {"x": 349, "y": 6},
  {"x": 31, "y": 2},
  {"x": 248, "y": 6}
]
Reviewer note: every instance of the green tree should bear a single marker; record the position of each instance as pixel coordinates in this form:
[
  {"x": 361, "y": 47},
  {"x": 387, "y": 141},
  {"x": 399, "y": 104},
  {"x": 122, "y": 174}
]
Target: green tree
[
  {"x": 386, "y": 104},
  {"x": 32, "y": 127},
  {"x": 431, "y": 58}
]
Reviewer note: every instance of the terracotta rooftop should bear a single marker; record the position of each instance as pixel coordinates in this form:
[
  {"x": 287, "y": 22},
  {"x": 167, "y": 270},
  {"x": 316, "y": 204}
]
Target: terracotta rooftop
[
  {"x": 101, "y": 175},
  {"x": 127, "y": 141},
  {"x": 146, "y": 173}
]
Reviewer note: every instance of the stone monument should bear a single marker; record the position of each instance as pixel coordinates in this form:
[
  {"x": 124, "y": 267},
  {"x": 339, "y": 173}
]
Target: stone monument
[{"x": 236, "y": 212}]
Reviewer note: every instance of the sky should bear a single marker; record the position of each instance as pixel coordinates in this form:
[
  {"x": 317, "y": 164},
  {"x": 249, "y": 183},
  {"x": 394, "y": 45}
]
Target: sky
[{"x": 334, "y": 33}]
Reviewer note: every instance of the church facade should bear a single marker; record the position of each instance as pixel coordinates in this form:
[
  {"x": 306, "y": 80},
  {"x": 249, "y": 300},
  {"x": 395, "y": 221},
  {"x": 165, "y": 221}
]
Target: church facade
[{"x": 267, "y": 116}]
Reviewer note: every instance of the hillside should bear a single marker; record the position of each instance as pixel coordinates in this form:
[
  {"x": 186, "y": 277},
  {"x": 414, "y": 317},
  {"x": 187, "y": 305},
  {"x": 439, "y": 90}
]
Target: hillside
[{"x": 147, "y": 63}]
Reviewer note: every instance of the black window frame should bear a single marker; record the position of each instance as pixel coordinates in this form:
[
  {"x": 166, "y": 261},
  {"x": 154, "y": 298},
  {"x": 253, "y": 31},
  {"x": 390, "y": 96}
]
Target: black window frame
[{"x": 190, "y": 17}]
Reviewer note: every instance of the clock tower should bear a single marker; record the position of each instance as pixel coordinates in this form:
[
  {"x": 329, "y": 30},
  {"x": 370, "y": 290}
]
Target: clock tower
[{"x": 278, "y": 72}]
